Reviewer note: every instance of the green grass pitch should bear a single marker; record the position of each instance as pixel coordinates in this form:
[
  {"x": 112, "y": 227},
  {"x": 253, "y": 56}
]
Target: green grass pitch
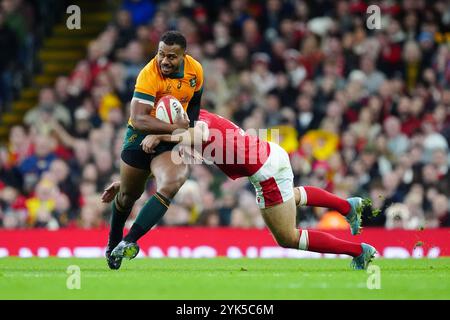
[{"x": 222, "y": 278}]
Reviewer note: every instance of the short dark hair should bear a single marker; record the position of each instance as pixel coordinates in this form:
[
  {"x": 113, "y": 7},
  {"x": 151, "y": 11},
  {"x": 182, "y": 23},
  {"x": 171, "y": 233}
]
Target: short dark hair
[{"x": 174, "y": 37}]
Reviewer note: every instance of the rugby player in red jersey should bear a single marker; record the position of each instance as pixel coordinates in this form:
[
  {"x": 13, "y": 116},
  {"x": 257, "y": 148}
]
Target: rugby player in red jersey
[{"x": 267, "y": 166}]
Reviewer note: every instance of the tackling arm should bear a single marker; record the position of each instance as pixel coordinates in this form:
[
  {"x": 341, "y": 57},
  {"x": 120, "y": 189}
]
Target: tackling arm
[{"x": 192, "y": 137}]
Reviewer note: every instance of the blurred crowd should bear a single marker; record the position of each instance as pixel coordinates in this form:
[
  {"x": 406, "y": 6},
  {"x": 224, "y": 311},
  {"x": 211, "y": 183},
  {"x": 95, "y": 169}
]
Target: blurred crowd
[
  {"x": 23, "y": 25},
  {"x": 360, "y": 112}
]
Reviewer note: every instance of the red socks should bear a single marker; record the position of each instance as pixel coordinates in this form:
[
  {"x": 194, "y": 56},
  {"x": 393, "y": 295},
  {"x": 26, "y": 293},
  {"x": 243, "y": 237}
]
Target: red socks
[
  {"x": 316, "y": 197},
  {"x": 322, "y": 242}
]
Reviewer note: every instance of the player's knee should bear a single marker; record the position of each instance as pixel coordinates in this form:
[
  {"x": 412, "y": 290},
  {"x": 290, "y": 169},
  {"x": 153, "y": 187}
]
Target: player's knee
[
  {"x": 170, "y": 188},
  {"x": 126, "y": 200}
]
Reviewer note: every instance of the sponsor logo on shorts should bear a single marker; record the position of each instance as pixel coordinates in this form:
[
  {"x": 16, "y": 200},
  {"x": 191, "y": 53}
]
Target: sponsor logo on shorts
[{"x": 132, "y": 138}]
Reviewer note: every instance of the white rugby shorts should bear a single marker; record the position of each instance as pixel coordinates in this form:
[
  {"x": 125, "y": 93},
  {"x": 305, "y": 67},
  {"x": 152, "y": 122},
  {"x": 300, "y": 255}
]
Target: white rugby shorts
[{"x": 274, "y": 181}]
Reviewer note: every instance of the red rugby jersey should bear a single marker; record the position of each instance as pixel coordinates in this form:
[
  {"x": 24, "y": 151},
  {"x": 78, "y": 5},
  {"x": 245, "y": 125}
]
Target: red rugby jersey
[{"x": 235, "y": 152}]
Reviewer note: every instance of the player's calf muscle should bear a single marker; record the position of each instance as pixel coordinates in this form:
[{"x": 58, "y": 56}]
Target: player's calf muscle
[
  {"x": 288, "y": 239},
  {"x": 169, "y": 176},
  {"x": 285, "y": 236}
]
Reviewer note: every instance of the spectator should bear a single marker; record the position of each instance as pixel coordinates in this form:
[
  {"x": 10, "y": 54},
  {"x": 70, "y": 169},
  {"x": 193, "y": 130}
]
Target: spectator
[
  {"x": 284, "y": 90},
  {"x": 176, "y": 215},
  {"x": 141, "y": 10},
  {"x": 430, "y": 179},
  {"x": 373, "y": 77},
  {"x": 272, "y": 108},
  {"x": 18, "y": 149},
  {"x": 432, "y": 139},
  {"x": 217, "y": 91},
  {"x": 441, "y": 160},
  {"x": 397, "y": 142},
  {"x": 13, "y": 212},
  {"x": 134, "y": 60},
  {"x": 104, "y": 166},
  {"x": 441, "y": 65},
  {"x": 189, "y": 197},
  {"x": 240, "y": 57},
  {"x": 294, "y": 68},
  {"x": 63, "y": 95},
  {"x": 209, "y": 218},
  {"x": 412, "y": 64},
  {"x": 222, "y": 39},
  {"x": 38, "y": 162},
  {"x": 62, "y": 178},
  {"x": 441, "y": 212},
  {"x": 239, "y": 219},
  {"x": 262, "y": 79},
  {"x": 251, "y": 34},
  {"x": 9, "y": 45},
  {"x": 277, "y": 49},
  {"x": 125, "y": 28},
  {"x": 415, "y": 202},
  {"x": 42, "y": 207},
  {"x": 311, "y": 55},
  {"x": 91, "y": 213},
  {"x": 365, "y": 129},
  {"x": 226, "y": 208},
  {"x": 48, "y": 109}
]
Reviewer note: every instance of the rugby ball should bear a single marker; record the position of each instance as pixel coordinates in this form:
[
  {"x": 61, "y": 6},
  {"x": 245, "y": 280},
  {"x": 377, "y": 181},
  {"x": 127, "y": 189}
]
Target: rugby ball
[{"x": 168, "y": 108}]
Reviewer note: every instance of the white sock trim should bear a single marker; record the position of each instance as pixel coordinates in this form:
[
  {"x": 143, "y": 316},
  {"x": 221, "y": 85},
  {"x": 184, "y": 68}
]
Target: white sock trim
[
  {"x": 304, "y": 240},
  {"x": 303, "y": 196}
]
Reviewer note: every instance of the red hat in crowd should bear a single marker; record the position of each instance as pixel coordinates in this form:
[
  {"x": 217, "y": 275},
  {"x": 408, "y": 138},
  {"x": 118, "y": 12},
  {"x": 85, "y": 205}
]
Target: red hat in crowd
[
  {"x": 321, "y": 164},
  {"x": 429, "y": 119},
  {"x": 199, "y": 12}
]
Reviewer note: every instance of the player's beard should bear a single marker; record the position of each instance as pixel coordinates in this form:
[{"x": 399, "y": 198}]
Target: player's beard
[{"x": 167, "y": 69}]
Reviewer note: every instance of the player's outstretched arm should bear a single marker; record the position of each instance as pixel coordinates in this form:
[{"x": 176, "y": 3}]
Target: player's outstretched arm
[
  {"x": 141, "y": 120},
  {"x": 192, "y": 137}
]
